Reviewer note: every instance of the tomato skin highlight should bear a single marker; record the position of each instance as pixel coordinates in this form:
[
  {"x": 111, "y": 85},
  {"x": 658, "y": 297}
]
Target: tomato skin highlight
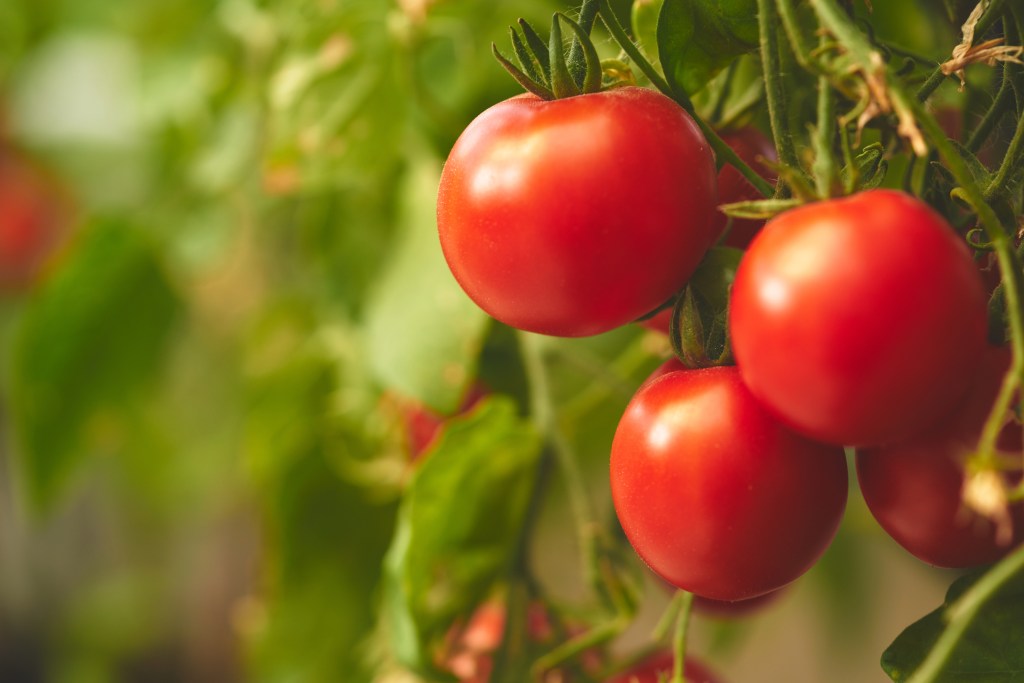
[
  {"x": 715, "y": 495},
  {"x": 858, "y": 321},
  {"x": 913, "y": 489},
  {"x": 575, "y": 216}
]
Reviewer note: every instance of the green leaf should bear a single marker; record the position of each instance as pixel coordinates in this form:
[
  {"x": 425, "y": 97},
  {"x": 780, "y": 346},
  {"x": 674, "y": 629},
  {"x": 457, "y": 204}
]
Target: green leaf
[
  {"x": 91, "y": 340},
  {"x": 697, "y": 38},
  {"x": 644, "y": 20},
  {"x": 869, "y": 168},
  {"x": 458, "y": 527},
  {"x": 760, "y": 209},
  {"x": 423, "y": 333},
  {"x": 990, "y": 651}
]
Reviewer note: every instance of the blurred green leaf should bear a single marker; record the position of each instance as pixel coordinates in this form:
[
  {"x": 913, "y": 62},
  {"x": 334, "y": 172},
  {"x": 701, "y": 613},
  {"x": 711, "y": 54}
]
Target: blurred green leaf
[
  {"x": 92, "y": 339},
  {"x": 990, "y": 651},
  {"x": 423, "y": 332},
  {"x": 458, "y": 527},
  {"x": 644, "y": 21},
  {"x": 325, "y": 536},
  {"x": 697, "y": 38}
]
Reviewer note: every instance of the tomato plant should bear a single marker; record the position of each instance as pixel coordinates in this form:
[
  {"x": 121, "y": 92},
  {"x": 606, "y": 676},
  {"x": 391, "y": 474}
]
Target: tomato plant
[
  {"x": 715, "y": 495},
  {"x": 858, "y": 321},
  {"x": 915, "y": 488},
  {"x": 258, "y": 317},
  {"x": 575, "y": 216}
]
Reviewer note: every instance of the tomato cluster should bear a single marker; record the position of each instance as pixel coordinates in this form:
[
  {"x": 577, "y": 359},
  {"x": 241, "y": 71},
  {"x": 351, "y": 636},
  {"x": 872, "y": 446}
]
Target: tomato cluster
[{"x": 854, "y": 322}]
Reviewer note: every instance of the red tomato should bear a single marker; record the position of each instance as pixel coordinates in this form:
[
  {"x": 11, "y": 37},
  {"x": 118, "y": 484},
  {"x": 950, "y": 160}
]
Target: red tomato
[
  {"x": 470, "y": 648},
  {"x": 649, "y": 670},
  {"x": 423, "y": 425},
  {"x": 31, "y": 220},
  {"x": 858, "y": 321},
  {"x": 914, "y": 488},
  {"x": 575, "y": 216},
  {"x": 754, "y": 148},
  {"x": 716, "y": 496}
]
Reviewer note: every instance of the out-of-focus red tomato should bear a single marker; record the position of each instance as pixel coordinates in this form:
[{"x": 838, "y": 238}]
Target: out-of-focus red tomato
[
  {"x": 33, "y": 216},
  {"x": 660, "y": 664}
]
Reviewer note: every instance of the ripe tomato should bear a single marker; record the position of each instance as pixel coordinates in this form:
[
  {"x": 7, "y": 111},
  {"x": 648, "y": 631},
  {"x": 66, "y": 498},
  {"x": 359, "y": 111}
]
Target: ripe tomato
[
  {"x": 423, "y": 426},
  {"x": 755, "y": 149},
  {"x": 660, "y": 664},
  {"x": 575, "y": 216},
  {"x": 715, "y": 495},
  {"x": 914, "y": 488},
  {"x": 31, "y": 220},
  {"x": 858, "y": 321}
]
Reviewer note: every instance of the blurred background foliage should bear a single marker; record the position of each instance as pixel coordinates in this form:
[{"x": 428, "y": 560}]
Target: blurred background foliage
[{"x": 201, "y": 450}]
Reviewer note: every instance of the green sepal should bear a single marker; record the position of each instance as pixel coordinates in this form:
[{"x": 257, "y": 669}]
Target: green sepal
[
  {"x": 591, "y": 80},
  {"x": 521, "y": 78},
  {"x": 869, "y": 169},
  {"x": 527, "y": 61},
  {"x": 562, "y": 84},
  {"x": 698, "y": 329},
  {"x": 538, "y": 46},
  {"x": 759, "y": 209},
  {"x": 579, "y": 61}
]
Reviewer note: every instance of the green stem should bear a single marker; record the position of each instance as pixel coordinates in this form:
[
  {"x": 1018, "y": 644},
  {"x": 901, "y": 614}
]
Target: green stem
[
  {"x": 723, "y": 152},
  {"x": 994, "y": 114},
  {"x": 544, "y": 416},
  {"x": 1010, "y": 166},
  {"x": 577, "y": 60},
  {"x": 994, "y": 11},
  {"x": 577, "y": 645},
  {"x": 775, "y": 91},
  {"x": 798, "y": 41},
  {"x": 962, "y": 612},
  {"x": 679, "y": 638},
  {"x": 824, "y": 159},
  {"x": 1002, "y": 242}
]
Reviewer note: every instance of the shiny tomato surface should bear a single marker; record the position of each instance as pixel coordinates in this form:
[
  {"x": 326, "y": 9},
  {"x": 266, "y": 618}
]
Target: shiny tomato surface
[
  {"x": 858, "y": 321},
  {"x": 716, "y": 495},
  {"x": 575, "y": 216}
]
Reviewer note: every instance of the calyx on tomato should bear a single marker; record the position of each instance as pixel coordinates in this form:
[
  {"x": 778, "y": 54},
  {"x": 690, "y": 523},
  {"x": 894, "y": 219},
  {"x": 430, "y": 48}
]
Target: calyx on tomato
[{"x": 542, "y": 68}]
